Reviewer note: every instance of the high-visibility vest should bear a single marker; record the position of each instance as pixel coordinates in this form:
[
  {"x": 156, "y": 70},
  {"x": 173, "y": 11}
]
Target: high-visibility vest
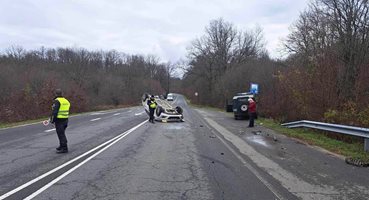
[
  {"x": 64, "y": 108},
  {"x": 152, "y": 104}
]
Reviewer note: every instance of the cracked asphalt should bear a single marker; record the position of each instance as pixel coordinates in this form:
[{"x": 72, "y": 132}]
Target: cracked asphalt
[{"x": 209, "y": 156}]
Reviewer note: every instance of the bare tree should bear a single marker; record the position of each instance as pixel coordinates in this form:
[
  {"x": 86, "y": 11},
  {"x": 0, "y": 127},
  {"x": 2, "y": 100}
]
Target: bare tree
[
  {"x": 170, "y": 69},
  {"x": 350, "y": 21},
  {"x": 222, "y": 48},
  {"x": 339, "y": 27},
  {"x": 15, "y": 52}
]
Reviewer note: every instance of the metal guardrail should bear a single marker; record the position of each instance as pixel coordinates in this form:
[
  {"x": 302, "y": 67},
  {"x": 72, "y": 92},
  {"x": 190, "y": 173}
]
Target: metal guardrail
[{"x": 348, "y": 130}]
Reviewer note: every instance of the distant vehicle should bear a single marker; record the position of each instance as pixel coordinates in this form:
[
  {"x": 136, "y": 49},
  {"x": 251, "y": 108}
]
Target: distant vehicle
[
  {"x": 170, "y": 97},
  {"x": 239, "y": 105},
  {"x": 164, "y": 111}
]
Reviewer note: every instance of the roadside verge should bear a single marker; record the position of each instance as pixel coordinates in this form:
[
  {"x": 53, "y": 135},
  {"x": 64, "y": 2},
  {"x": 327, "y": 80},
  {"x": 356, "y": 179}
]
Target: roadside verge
[{"x": 353, "y": 152}]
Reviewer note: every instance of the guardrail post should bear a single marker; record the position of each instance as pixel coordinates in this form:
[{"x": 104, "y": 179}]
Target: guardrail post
[{"x": 366, "y": 144}]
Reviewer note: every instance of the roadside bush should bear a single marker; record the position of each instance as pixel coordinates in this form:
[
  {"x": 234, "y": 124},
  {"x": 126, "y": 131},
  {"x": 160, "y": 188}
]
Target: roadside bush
[{"x": 348, "y": 115}]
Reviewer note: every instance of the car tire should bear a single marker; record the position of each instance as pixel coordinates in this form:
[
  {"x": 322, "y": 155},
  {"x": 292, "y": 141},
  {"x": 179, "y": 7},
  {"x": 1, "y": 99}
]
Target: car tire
[
  {"x": 244, "y": 107},
  {"x": 159, "y": 110},
  {"x": 179, "y": 110}
]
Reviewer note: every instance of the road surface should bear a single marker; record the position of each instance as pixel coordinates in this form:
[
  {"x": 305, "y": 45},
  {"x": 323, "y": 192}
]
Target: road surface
[{"x": 117, "y": 154}]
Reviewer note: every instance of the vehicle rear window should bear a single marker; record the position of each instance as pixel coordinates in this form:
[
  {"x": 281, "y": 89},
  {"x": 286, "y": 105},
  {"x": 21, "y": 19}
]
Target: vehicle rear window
[{"x": 242, "y": 99}]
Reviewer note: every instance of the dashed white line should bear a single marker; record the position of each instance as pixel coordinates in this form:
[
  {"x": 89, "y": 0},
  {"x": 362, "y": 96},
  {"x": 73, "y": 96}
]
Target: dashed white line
[
  {"x": 97, "y": 113},
  {"x": 39, "y": 122},
  {"x": 139, "y": 113},
  {"x": 117, "y": 114},
  {"x": 53, "y": 129},
  {"x": 95, "y": 119}
]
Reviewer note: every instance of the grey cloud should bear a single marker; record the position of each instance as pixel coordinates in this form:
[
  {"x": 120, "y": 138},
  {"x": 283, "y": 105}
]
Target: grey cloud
[{"x": 165, "y": 27}]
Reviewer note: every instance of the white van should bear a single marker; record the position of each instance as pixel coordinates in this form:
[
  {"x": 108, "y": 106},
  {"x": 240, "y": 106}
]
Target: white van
[{"x": 170, "y": 97}]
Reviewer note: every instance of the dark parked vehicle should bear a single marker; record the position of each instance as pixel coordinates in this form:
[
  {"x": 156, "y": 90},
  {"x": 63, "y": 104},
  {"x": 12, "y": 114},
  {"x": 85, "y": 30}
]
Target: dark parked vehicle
[{"x": 239, "y": 105}]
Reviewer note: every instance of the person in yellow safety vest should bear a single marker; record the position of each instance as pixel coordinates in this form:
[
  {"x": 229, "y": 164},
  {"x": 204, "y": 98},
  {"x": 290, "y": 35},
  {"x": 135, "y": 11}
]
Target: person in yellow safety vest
[
  {"x": 59, "y": 117},
  {"x": 152, "y": 106}
]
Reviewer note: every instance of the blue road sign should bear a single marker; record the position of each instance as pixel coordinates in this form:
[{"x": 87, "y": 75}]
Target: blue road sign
[{"x": 254, "y": 88}]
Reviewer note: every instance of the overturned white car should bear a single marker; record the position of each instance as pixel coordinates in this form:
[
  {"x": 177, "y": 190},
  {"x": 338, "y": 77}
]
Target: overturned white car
[{"x": 164, "y": 112}]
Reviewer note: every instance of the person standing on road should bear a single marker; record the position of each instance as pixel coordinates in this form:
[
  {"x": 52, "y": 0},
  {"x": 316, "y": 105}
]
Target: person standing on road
[
  {"x": 59, "y": 117},
  {"x": 152, "y": 105},
  {"x": 252, "y": 111}
]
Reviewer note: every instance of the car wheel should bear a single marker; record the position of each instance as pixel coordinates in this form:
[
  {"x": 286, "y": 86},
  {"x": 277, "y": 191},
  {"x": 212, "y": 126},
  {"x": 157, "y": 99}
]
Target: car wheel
[
  {"x": 159, "y": 110},
  {"x": 179, "y": 110},
  {"x": 244, "y": 107}
]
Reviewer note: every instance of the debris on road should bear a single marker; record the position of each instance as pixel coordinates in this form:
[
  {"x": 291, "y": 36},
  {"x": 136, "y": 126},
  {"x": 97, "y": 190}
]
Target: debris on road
[
  {"x": 256, "y": 132},
  {"x": 356, "y": 162}
]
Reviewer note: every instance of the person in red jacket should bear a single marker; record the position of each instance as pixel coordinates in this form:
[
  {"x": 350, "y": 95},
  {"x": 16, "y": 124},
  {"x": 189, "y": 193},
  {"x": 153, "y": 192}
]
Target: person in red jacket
[{"x": 252, "y": 111}]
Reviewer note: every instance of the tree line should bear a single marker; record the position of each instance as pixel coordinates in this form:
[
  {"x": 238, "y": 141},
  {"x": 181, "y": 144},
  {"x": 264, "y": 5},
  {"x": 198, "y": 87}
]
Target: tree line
[
  {"x": 325, "y": 76},
  {"x": 89, "y": 79}
]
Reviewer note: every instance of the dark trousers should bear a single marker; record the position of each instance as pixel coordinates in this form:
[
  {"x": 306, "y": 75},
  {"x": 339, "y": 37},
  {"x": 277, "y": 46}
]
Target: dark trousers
[
  {"x": 251, "y": 119},
  {"x": 60, "y": 127},
  {"x": 151, "y": 115}
]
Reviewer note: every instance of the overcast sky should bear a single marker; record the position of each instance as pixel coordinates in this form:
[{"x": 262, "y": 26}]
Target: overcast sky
[{"x": 159, "y": 27}]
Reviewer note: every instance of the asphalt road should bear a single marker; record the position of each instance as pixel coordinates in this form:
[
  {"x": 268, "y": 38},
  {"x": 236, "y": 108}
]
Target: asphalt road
[{"x": 119, "y": 155}]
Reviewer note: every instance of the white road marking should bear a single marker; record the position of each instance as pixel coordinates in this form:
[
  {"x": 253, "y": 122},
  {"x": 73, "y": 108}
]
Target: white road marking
[
  {"x": 136, "y": 114},
  {"x": 74, "y": 115},
  {"x": 53, "y": 129},
  {"x": 116, "y": 114},
  {"x": 97, "y": 113},
  {"x": 117, "y": 138},
  {"x": 252, "y": 169},
  {"x": 287, "y": 179},
  {"x": 95, "y": 119},
  {"x": 21, "y": 125}
]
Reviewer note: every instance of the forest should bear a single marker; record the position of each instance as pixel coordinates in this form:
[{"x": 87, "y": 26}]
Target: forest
[{"x": 90, "y": 80}]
